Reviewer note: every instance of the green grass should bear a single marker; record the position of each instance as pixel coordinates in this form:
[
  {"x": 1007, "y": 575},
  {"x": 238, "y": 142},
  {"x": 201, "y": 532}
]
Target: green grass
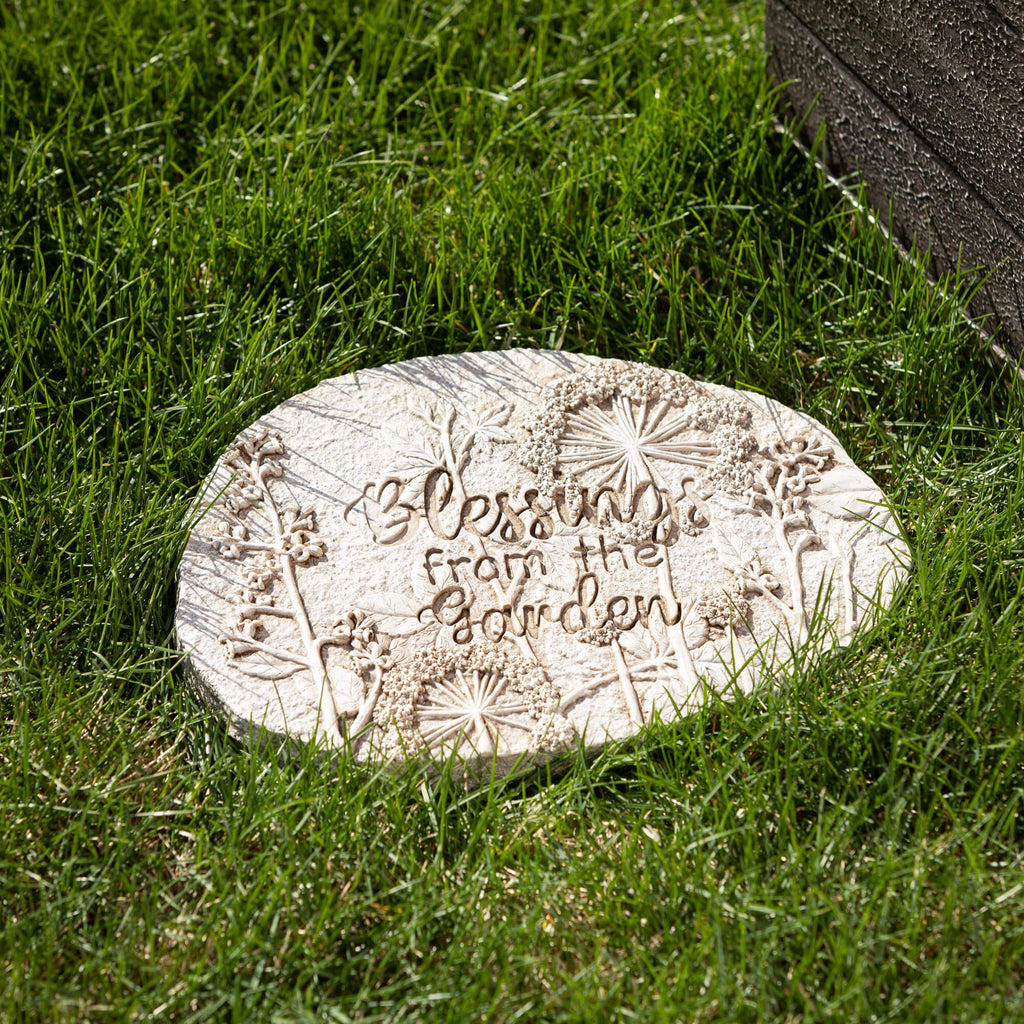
[{"x": 206, "y": 207}]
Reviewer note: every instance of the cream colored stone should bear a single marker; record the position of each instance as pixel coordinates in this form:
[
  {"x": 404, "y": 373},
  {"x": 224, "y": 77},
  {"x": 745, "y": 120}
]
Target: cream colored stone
[{"x": 504, "y": 555}]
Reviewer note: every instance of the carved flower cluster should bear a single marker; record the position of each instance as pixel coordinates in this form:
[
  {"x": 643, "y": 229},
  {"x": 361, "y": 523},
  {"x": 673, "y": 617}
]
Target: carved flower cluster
[
  {"x": 599, "y": 636},
  {"x": 798, "y": 451},
  {"x": 366, "y": 647},
  {"x": 756, "y": 579},
  {"x": 225, "y": 539},
  {"x": 731, "y": 470},
  {"x": 247, "y": 625},
  {"x": 237, "y": 642},
  {"x": 260, "y": 445},
  {"x": 721, "y": 610},
  {"x": 630, "y": 380},
  {"x": 552, "y": 732},
  {"x": 789, "y": 469},
  {"x": 254, "y": 460},
  {"x": 636, "y": 533},
  {"x": 298, "y": 539},
  {"x": 260, "y": 570},
  {"x": 241, "y": 494},
  {"x": 299, "y": 535}
]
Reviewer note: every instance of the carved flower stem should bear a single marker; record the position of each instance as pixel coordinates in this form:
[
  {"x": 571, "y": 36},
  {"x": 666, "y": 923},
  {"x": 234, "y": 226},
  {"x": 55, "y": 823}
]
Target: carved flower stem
[
  {"x": 252, "y": 611},
  {"x": 842, "y": 549},
  {"x": 796, "y": 585},
  {"x": 796, "y": 613},
  {"x": 754, "y": 587},
  {"x": 327, "y": 719},
  {"x": 684, "y": 660},
  {"x": 275, "y": 652},
  {"x": 636, "y": 714},
  {"x": 483, "y": 741},
  {"x": 741, "y": 667},
  {"x": 248, "y": 547},
  {"x": 791, "y": 552},
  {"x": 365, "y": 715}
]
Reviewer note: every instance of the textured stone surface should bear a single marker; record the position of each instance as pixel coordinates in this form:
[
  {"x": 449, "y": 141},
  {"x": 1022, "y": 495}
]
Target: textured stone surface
[
  {"x": 926, "y": 102},
  {"x": 502, "y": 555}
]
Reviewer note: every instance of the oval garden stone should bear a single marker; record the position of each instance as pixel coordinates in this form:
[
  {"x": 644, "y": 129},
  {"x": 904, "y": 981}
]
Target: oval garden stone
[{"x": 500, "y": 556}]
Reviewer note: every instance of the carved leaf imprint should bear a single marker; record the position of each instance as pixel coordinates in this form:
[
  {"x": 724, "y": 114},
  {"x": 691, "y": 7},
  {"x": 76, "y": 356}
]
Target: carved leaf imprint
[
  {"x": 416, "y": 454},
  {"x": 421, "y": 409},
  {"x": 489, "y": 421},
  {"x": 730, "y": 554},
  {"x": 261, "y": 665},
  {"x": 394, "y": 614}
]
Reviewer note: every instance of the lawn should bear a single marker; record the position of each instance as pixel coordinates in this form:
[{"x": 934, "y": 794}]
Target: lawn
[{"x": 206, "y": 207}]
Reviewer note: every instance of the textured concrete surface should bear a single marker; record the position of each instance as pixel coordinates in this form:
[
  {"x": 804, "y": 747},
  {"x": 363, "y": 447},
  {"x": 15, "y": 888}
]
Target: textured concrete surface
[
  {"x": 926, "y": 101},
  {"x": 503, "y": 555}
]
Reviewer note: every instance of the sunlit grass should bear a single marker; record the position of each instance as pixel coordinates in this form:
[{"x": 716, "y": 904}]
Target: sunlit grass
[{"x": 206, "y": 207}]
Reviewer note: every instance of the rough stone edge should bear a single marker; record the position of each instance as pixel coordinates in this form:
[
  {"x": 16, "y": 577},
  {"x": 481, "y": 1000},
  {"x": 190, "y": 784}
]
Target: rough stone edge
[{"x": 262, "y": 742}]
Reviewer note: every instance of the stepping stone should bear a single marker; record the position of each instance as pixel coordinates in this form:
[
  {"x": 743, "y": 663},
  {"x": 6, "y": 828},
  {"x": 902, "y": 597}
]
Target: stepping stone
[{"x": 498, "y": 557}]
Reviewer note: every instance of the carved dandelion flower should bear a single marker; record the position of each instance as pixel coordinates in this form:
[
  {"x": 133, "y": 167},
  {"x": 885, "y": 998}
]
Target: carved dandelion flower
[
  {"x": 440, "y": 698},
  {"x": 473, "y": 704},
  {"x": 624, "y": 426},
  {"x": 622, "y": 441}
]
